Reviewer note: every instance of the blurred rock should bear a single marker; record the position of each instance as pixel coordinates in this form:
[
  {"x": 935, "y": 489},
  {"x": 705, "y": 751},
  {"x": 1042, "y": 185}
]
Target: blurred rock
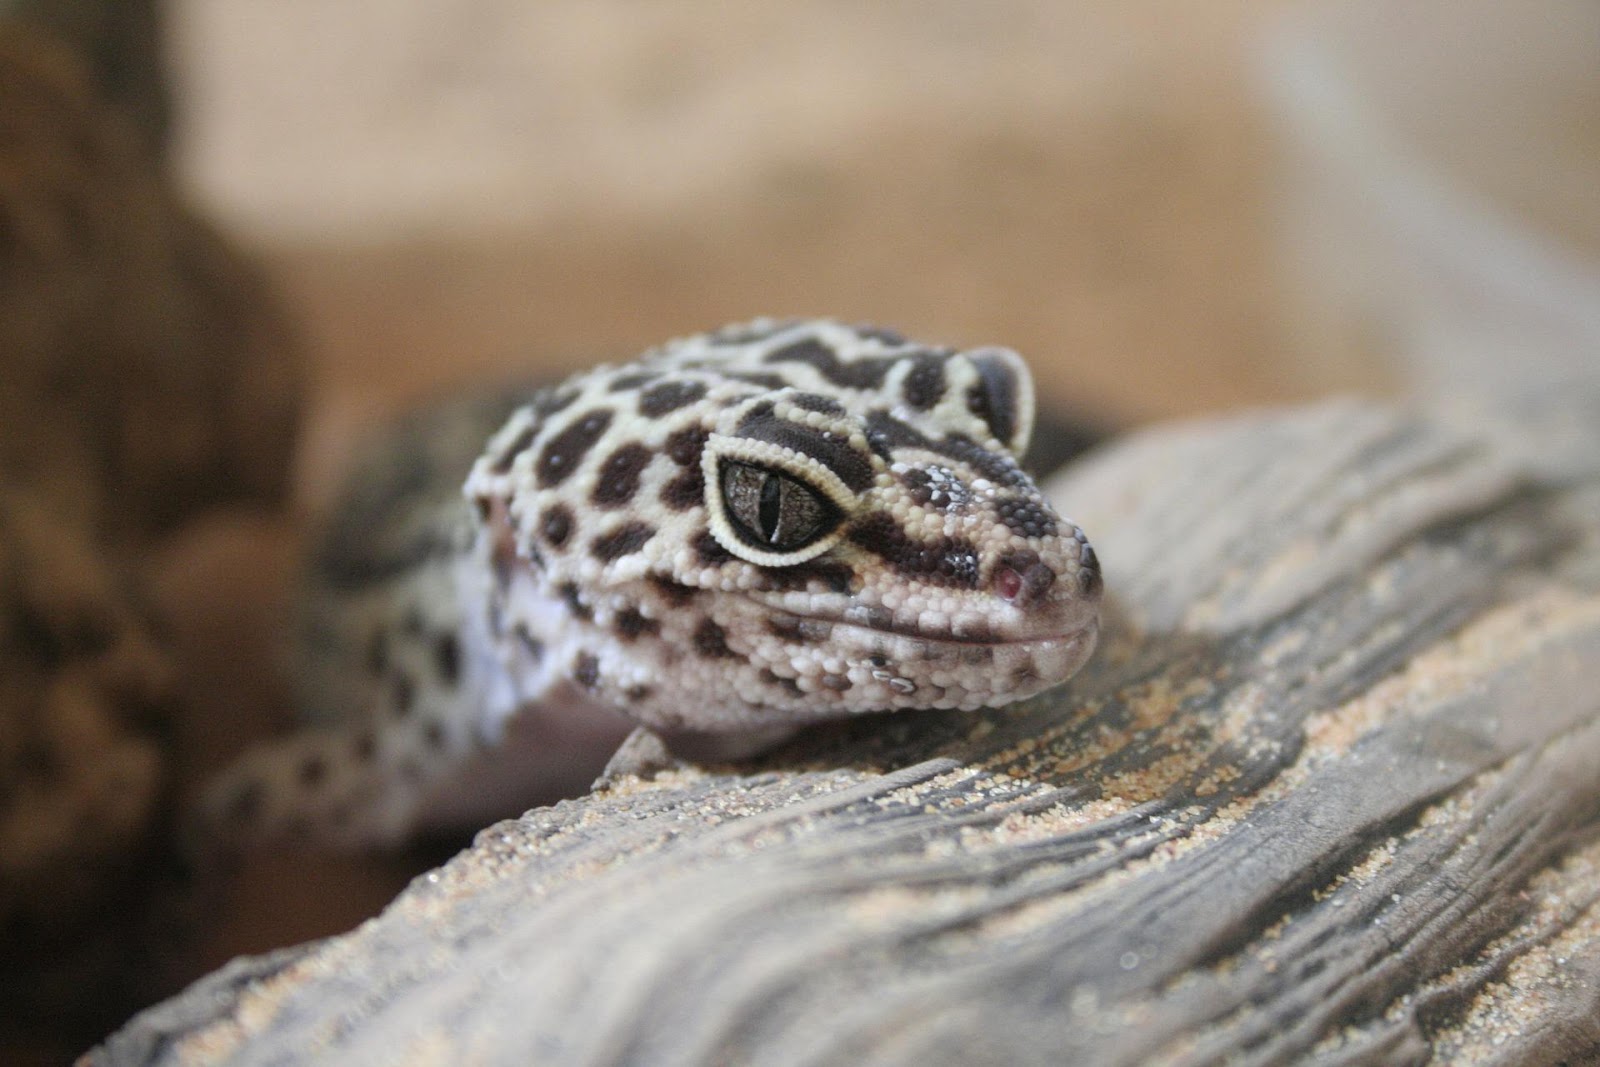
[
  {"x": 85, "y": 706},
  {"x": 149, "y": 376},
  {"x": 120, "y": 42},
  {"x": 149, "y": 372}
]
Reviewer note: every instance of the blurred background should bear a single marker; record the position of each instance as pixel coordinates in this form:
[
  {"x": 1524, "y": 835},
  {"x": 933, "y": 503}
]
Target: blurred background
[
  {"x": 1170, "y": 208},
  {"x": 450, "y": 190}
]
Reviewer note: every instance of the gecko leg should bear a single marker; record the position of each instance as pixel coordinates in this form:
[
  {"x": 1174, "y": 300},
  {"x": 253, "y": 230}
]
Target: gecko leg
[{"x": 354, "y": 786}]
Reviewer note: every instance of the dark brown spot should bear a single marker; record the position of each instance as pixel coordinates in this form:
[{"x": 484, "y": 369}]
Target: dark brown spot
[
  {"x": 433, "y": 734},
  {"x": 951, "y": 561},
  {"x": 685, "y": 491},
  {"x": 447, "y": 658},
  {"x": 484, "y": 507},
  {"x": 998, "y": 467},
  {"x": 366, "y": 746},
  {"x": 788, "y": 685},
  {"x": 919, "y": 483},
  {"x": 769, "y": 382},
  {"x": 411, "y": 621},
  {"x": 519, "y": 444},
  {"x": 630, "y": 624},
  {"x": 534, "y": 646},
  {"x": 660, "y": 399},
  {"x": 1027, "y": 516},
  {"x": 832, "y": 450},
  {"x": 377, "y": 656},
  {"x": 839, "y": 683},
  {"x": 885, "y": 433},
  {"x": 244, "y": 806},
  {"x": 586, "y": 670},
  {"x": 636, "y": 693},
  {"x": 550, "y": 402},
  {"x": 684, "y": 446},
  {"x": 814, "y": 402},
  {"x": 710, "y": 550},
  {"x": 503, "y": 562},
  {"x": 834, "y": 577},
  {"x": 872, "y": 616},
  {"x": 711, "y": 641},
  {"x": 977, "y": 631},
  {"x": 625, "y": 539},
  {"x": 555, "y": 525},
  {"x": 867, "y": 373},
  {"x": 313, "y": 771},
  {"x": 619, "y": 475},
  {"x": 799, "y": 629},
  {"x": 758, "y": 412},
  {"x": 624, "y": 382},
  {"x": 563, "y": 453},
  {"x": 923, "y": 386},
  {"x": 675, "y": 593},
  {"x": 402, "y": 694},
  {"x": 574, "y": 601}
]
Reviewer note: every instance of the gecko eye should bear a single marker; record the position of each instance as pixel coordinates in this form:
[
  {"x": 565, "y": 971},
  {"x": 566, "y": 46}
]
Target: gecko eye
[{"x": 773, "y": 511}]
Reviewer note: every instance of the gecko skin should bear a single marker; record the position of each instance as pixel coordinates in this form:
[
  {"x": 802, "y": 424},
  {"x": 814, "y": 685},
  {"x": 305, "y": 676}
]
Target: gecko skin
[{"x": 740, "y": 533}]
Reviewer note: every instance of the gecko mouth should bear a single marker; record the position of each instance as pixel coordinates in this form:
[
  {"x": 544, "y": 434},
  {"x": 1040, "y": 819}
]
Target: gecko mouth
[
  {"x": 970, "y": 640},
  {"x": 864, "y": 624}
]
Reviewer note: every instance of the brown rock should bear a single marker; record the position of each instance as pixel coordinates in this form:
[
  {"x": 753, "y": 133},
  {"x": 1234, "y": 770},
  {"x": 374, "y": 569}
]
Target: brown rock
[
  {"x": 148, "y": 372},
  {"x": 147, "y": 375}
]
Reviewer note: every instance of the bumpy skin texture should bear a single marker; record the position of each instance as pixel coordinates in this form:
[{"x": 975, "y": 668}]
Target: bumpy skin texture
[{"x": 740, "y": 533}]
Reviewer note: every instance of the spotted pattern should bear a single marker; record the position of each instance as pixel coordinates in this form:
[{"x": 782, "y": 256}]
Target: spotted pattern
[
  {"x": 563, "y": 453},
  {"x": 924, "y": 382},
  {"x": 556, "y": 525},
  {"x": 667, "y": 397},
  {"x": 597, "y": 556},
  {"x": 946, "y": 576},
  {"x": 625, "y": 539},
  {"x": 619, "y": 475},
  {"x": 865, "y": 373}
]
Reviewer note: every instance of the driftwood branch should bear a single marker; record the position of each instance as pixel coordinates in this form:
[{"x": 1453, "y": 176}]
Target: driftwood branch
[{"x": 1330, "y": 793}]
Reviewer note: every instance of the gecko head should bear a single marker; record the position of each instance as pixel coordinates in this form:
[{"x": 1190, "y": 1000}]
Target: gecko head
[{"x": 846, "y": 528}]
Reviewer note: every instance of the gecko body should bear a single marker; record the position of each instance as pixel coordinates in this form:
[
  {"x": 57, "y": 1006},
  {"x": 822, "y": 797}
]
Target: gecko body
[{"x": 737, "y": 534}]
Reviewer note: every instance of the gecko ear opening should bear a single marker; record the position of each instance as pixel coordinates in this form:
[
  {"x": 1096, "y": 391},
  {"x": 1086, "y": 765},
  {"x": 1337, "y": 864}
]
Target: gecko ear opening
[{"x": 1003, "y": 396}]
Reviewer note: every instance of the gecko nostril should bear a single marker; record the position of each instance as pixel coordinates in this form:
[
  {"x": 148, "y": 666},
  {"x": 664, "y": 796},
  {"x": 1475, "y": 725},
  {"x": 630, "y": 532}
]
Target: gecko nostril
[
  {"x": 1007, "y": 582},
  {"x": 1023, "y": 579}
]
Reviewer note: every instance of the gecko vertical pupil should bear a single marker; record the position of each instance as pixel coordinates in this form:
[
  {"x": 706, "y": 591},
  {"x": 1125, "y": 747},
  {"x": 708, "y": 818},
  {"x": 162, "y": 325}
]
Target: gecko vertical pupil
[
  {"x": 771, "y": 507},
  {"x": 774, "y": 511}
]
